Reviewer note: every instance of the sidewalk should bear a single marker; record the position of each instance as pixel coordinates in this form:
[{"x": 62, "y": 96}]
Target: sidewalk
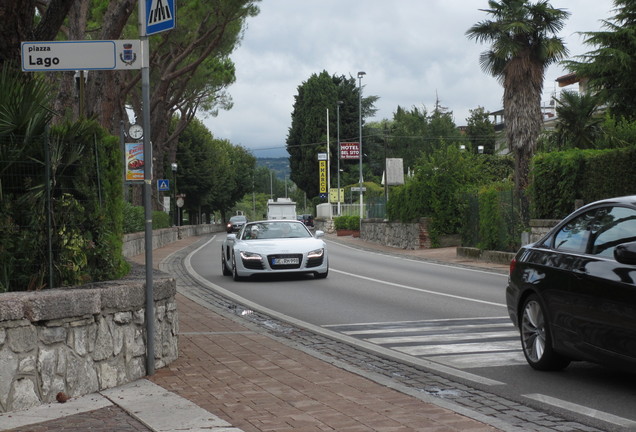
[{"x": 234, "y": 377}]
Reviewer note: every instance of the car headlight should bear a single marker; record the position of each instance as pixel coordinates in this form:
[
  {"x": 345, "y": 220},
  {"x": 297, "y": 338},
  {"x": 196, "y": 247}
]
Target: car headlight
[
  {"x": 316, "y": 253},
  {"x": 250, "y": 256}
]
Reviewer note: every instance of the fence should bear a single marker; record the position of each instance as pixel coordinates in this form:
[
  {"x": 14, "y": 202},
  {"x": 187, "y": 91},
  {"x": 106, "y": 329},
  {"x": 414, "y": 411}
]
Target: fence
[
  {"x": 492, "y": 220},
  {"x": 373, "y": 209},
  {"x": 55, "y": 212}
]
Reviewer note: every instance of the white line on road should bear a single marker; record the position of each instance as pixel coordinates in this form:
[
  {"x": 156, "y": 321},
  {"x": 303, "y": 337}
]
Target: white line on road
[{"x": 417, "y": 289}]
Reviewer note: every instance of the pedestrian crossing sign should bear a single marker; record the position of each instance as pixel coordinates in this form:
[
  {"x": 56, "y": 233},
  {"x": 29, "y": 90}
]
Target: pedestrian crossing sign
[
  {"x": 163, "y": 185},
  {"x": 160, "y": 16}
]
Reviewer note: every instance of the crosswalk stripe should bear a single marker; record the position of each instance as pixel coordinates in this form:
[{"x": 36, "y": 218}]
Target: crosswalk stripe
[{"x": 460, "y": 343}]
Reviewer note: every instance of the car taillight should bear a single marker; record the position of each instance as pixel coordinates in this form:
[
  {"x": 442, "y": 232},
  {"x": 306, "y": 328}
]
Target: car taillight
[{"x": 513, "y": 264}]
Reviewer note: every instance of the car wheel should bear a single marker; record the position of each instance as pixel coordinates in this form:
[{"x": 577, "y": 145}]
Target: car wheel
[
  {"x": 226, "y": 272},
  {"x": 235, "y": 275},
  {"x": 536, "y": 337}
]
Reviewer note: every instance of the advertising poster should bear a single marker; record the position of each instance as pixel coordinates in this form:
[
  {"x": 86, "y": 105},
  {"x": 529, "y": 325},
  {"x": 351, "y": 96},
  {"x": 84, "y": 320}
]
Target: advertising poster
[
  {"x": 349, "y": 150},
  {"x": 134, "y": 162},
  {"x": 322, "y": 172}
]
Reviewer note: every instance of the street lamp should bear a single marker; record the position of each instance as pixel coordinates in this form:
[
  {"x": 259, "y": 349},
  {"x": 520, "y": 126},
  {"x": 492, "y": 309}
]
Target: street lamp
[
  {"x": 338, "y": 139},
  {"x": 176, "y": 208},
  {"x": 360, "y": 75}
]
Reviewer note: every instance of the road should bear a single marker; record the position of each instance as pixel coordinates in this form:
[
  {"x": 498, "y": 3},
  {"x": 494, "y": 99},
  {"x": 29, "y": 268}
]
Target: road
[{"x": 447, "y": 318}]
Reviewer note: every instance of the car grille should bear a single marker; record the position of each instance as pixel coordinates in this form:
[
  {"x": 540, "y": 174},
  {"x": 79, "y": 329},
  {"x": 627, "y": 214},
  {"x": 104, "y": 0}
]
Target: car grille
[
  {"x": 270, "y": 260},
  {"x": 315, "y": 262}
]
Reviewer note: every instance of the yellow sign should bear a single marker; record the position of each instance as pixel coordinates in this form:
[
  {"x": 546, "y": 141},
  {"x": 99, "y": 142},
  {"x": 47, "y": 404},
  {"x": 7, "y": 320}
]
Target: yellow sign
[
  {"x": 333, "y": 195},
  {"x": 322, "y": 174}
]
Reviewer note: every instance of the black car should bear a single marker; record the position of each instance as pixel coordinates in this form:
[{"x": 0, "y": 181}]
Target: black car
[
  {"x": 236, "y": 223},
  {"x": 307, "y": 219},
  {"x": 573, "y": 293}
]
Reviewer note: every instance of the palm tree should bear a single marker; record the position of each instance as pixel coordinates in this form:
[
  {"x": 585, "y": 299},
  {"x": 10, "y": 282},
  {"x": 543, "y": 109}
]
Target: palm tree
[
  {"x": 524, "y": 44},
  {"x": 578, "y": 120}
]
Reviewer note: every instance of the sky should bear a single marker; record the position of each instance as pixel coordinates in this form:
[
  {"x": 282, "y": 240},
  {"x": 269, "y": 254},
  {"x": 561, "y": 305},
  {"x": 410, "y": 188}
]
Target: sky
[{"x": 414, "y": 52}]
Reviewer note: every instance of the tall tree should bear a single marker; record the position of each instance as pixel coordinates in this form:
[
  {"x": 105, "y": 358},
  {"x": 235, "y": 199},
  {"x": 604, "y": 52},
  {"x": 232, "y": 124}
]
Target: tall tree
[
  {"x": 212, "y": 174},
  {"x": 190, "y": 65},
  {"x": 524, "y": 44},
  {"x": 610, "y": 67},
  {"x": 308, "y": 132},
  {"x": 29, "y": 20},
  {"x": 480, "y": 131}
]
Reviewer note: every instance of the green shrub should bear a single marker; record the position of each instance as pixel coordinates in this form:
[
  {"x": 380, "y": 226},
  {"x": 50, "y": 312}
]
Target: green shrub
[
  {"x": 160, "y": 219},
  {"x": 559, "y": 178},
  {"x": 134, "y": 219},
  {"x": 347, "y": 223}
]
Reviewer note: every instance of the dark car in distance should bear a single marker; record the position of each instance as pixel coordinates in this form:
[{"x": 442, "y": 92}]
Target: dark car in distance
[
  {"x": 236, "y": 223},
  {"x": 307, "y": 219},
  {"x": 572, "y": 294}
]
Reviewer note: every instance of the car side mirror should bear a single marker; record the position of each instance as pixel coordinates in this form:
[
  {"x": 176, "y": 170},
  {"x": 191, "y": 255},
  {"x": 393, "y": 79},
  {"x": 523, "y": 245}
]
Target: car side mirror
[
  {"x": 625, "y": 253},
  {"x": 231, "y": 236},
  {"x": 319, "y": 234}
]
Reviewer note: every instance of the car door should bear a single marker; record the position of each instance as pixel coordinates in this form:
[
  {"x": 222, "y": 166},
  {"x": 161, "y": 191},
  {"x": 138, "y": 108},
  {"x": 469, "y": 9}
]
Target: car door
[
  {"x": 606, "y": 288},
  {"x": 557, "y": 261}
]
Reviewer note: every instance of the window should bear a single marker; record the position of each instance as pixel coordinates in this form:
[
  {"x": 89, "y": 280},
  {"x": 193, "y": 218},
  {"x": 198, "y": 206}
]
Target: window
[
  {"x": 575, "y": 234},
  {"x": 613, "y": 226}
]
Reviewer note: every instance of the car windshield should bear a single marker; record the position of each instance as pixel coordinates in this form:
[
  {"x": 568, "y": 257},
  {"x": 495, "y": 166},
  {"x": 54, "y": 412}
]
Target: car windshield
[
  {"x": 237, "y": 219},
  {"x": 274, "y": 230}
]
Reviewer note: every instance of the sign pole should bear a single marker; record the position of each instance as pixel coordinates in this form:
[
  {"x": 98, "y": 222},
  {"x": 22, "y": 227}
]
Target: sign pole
[{"x": 145, "y": 96}]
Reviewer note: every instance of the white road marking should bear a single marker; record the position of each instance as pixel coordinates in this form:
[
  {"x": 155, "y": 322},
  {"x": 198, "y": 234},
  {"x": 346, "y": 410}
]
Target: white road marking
[{"x": 411, "y": 288}]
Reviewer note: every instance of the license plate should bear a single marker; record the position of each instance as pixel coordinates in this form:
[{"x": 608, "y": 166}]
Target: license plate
[{"x": 285, "y": 261}]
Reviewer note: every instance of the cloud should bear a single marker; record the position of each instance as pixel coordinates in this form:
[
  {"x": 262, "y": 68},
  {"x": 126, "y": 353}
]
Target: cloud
[{"x": 413, "y": 52}]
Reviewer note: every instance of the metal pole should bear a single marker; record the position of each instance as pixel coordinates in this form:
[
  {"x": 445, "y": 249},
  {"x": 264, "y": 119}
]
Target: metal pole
[
  {"x": 338, "y": 139},
  {"x": 49, "y": 210},
  {"x": 145, "y": 96},
  {"x": 360, "y": 75},
  {"x": 329, "y": 170}
]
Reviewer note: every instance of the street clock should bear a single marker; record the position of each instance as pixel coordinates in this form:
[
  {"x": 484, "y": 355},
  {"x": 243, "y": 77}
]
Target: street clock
[{"x": 135, "y": 131}]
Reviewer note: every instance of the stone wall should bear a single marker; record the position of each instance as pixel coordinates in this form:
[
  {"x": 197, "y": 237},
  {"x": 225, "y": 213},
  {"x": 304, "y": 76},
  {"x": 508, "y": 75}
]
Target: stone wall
[
  {"x": 135, "y": 243},
  {"x": 81, "y": 340},
  {"x": 85, "y": 339},
  {"x": 410, "y": 236},
  {"x": 540, "y": 227}
]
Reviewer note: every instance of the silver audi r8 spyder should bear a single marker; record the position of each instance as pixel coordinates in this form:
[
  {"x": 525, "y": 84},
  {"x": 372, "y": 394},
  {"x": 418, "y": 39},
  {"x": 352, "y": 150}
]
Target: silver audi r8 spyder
[{"x": 274, "y": 247}]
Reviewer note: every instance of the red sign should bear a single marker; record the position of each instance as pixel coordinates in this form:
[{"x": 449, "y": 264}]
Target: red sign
[{"x": 349, "y": 150}]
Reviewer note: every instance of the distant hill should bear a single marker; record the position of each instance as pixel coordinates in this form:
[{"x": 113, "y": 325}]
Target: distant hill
[{"x": 280, "y": 166}]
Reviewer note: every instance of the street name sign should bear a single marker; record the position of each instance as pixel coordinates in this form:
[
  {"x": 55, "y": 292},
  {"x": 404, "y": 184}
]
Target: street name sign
[
  {"x": 50, "y": 56},
  {"x": 160, "y": 16}
]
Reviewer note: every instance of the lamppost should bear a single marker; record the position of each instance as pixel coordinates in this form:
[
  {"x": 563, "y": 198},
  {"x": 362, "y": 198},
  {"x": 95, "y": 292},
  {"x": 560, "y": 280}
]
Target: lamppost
[
  {"x": 360, "y": 75},
  {"x": 338, "y": 139},
  {"x": 176, "y": 208}
]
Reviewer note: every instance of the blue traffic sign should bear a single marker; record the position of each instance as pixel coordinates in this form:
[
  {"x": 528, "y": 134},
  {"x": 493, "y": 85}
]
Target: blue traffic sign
[
  {"x": 160, "y": 16},
  {"x": 163, "y": 185}
]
